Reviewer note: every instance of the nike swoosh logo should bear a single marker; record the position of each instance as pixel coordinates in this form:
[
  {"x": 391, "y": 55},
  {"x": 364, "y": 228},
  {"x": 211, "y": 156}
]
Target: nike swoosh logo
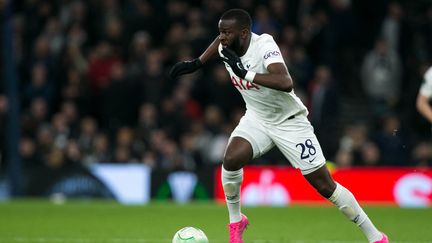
[{"x": 311, "y": 160}]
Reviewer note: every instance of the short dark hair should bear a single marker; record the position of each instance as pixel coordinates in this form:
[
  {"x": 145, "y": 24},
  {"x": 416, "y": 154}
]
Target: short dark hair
[{"x": 242, "y": 17}]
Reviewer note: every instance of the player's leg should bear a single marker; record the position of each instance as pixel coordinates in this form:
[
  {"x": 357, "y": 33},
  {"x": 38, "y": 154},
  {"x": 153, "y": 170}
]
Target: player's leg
[
  {"x": 322, "y": 181},
  {"x": 296, "y": 140},
  {"x": 237, "y": 154},
  {"x": 247, "y": 141}
]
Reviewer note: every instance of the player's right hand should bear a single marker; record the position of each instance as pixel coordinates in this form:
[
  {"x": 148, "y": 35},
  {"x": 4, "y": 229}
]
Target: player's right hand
[{"x": 185, "y": 67}]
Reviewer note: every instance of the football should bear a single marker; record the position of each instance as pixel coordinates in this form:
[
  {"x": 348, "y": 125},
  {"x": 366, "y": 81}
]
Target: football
[{"x": 190, "y": 235}]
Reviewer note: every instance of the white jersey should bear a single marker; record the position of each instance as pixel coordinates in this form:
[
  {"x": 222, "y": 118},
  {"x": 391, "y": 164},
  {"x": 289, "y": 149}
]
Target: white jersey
[
  {"x": 426, "y": 87},
  {"x": 268, "y": 105}
]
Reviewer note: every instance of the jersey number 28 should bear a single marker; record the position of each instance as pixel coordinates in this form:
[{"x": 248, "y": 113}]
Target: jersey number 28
[{"x": 307, "y": 149}]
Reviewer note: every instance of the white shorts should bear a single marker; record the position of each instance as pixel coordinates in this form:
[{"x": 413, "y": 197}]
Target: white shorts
[{"x": 294, "y": 137}]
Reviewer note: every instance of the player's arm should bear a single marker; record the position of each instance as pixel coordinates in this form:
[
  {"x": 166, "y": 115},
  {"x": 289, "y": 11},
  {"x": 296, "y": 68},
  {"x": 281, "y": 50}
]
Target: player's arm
[
  {"x": 191, "y": 66},
  {"x": 278, "y": 77},
  {"x": 211, "y": 51},
  {"x": 423, "y": 107}
]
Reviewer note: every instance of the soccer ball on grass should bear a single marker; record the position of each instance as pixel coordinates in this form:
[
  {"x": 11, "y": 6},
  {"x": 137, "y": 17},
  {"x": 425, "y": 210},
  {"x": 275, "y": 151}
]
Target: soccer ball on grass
[{"x": 190, "y": 235}]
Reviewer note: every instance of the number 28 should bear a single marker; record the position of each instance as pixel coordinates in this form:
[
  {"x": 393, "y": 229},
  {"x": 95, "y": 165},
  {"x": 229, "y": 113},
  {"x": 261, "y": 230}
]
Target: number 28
[{"x": 307, "y": 149}]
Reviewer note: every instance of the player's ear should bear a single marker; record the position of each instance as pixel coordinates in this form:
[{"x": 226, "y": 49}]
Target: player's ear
[{"x": 244, "y": 33}]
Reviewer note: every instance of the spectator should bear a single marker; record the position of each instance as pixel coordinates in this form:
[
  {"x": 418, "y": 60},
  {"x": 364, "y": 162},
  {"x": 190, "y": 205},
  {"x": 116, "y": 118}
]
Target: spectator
[
  {"x": 42, "y": 55},
  {"x": 351, "y": 144},
  {"x": 76, "y": 91},
  {"x": 381, "y": 77},
  {"x": 54, "y": 35},
  {"x": 148, "y": 120},
  {"x": 370, "y": 154},
  {"x": 61, "y": 130},
  {"x": 118, "y": 92},
  {"x": 393, "y": 142},
  {"x": 74, "y": 61},
  {"x": 73, "y": 12},
  {"x": 39, "y": 86},
  {"x": 125, "y": 138},
  {"x": 395, "y": 30},
  {"x": 45, "y": 141},
  {"x": 114, "y": 34},
  {"x": 30, "y": 158},
  {"x": 344, "y": 159},
  {"x": 36, "y": 116},
  {"x": 70, "y": 113},
  {"x": 101, "y": 63},
  {"x": 219, "y": 84},
  {"x": 324, "y": 108},
  {"x": 300, "y": 67},
  {"x": 100, "y": 151},
  {"x": 422, "y": 154},
  {"x": 55, "y": 159},
  {"x": 172, "y": 118},
  {"x": 72, "y": 154},
  {"x": 123, "y": 155},
  {"x": 141, "y": 44},
  {"x": 152, "y": 82},
  {"x": 149, "y": 159},
  {"x": 88, "y": 132},
  {"x": 173, "y": 159},
  {"x": 214, "y": 123}
]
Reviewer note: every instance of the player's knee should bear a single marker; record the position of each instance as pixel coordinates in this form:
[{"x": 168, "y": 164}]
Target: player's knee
[{"x": 232, "y": 162}]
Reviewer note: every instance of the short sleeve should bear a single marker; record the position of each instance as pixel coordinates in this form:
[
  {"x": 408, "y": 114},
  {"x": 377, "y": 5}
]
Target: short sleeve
[
  {"x": 426, "y": 87},
  {"x": 270, "y": 51}
]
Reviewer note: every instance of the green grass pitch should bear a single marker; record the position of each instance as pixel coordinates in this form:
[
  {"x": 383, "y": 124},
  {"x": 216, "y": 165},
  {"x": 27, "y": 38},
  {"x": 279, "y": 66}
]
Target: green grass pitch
[{"x": 108, "y": 222}]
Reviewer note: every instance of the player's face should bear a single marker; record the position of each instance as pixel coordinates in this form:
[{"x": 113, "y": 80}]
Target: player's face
[{"x": 230, "y": 34}]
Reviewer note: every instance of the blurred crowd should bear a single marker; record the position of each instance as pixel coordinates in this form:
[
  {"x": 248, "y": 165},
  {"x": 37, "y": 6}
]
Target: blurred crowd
[{"x": 94, "y": 88}]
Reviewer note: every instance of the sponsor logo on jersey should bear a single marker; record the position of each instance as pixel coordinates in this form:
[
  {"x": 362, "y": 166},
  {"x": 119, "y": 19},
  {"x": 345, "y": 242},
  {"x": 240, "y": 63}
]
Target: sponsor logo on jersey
[
  {"x": 269, "y": 54},
  {"x": 241, "y": 84}
]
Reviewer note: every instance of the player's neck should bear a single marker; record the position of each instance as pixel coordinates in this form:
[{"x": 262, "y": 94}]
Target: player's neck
[{"x": 245, "y": 47}]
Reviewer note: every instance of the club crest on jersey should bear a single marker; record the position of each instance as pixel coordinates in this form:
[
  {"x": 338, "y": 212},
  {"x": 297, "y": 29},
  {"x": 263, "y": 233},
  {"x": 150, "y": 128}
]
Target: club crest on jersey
[
  {"x": 269, "y": 54},
  {"x": 241, "y": 84}
]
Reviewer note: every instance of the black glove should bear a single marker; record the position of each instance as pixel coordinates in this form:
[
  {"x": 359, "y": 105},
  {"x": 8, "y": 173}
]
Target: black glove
[
  {"x": 185, "y": 67},
  {"x": 234, "y": 61}
]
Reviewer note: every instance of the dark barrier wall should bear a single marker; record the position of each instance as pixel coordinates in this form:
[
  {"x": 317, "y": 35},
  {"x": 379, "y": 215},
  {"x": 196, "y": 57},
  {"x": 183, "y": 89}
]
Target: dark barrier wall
[
  {"x": 72, "y": 182},
  {"x": 127, "y": 183}
]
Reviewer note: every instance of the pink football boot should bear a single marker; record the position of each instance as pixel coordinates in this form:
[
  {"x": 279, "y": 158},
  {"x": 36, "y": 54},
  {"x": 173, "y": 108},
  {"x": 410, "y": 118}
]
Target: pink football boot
[
  {"x": 384, "y": 239},
  {"x": 236, "y": 230}
]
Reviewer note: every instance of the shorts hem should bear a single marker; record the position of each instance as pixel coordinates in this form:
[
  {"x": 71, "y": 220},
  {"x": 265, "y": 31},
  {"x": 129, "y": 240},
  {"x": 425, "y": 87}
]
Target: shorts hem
[{"x": 310, "y": 170}]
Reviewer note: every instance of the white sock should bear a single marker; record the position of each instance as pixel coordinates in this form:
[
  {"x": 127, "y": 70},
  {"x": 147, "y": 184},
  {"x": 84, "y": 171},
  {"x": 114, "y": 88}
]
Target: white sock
[
  {"x": 349, "y": 206},
  {"x": 231, "y": 181}
]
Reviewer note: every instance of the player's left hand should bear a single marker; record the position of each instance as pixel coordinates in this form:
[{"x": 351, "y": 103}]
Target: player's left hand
[
  {"x": 233, "y": 60},
  {"x": 185, "y": 67}
]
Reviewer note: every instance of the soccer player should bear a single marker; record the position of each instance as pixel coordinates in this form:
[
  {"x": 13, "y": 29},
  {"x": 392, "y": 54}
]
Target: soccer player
[
  {"x": 274, "y": 116},
  {"x": 425, "y": 95}
]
